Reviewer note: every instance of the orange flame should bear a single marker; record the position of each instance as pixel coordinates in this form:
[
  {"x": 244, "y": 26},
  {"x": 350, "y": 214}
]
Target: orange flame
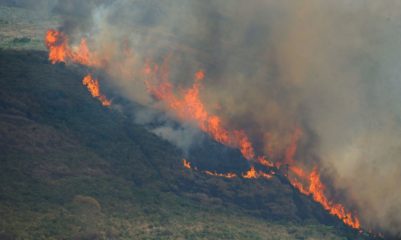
[
  {"x": 252, "y": 173},
  {"x": 225, "y": 175},
  {"x": 316, "y": 189},
  {"x": 298, "y": 185},
  {"x": 190, "y": 108},
  {"x": 56, "y": 42},
  {"x": 292, "y": 149},
  {"x": 265, "y": 162},
  {"x": 186, "y": 164},
  {"x": 60, "y": 50},
  {"x": 93, "y": 87}
]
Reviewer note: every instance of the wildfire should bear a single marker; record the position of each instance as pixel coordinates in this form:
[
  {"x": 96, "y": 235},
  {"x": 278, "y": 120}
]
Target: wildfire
[
  {"x": 186, "y": 105},
  {"x": 250, "y": 174},
  {"x": 253, "y": 173},
  {"x": 93, "y": 87},
  {"x": 224, "y": 175},
  {"x": 60, "y": 50},
  {"x": 263, "y": 161},
  {"x": 317, "y": 190},
  {"x": 189, "y": 107},
  {"x": 56, "y": 43},
  {"x": 315, "y": 187},
  {"x": 186, "y": 164},
  {"x": 292, "y": 149}
]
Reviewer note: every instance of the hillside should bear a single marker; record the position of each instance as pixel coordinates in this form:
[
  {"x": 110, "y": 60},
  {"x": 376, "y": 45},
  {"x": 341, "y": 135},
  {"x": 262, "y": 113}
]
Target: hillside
[{"x": 72, "y": 169}]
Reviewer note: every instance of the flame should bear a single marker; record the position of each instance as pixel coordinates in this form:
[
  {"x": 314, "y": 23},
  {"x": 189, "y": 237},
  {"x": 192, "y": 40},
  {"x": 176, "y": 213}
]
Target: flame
[
  {"x": 317, "y": 190},
  {"x": 60, "y": 50},
  {"x": 292, "y": 149},
  {"x": 250, "y": 174},
  {"x": 253, "y": 173},
  {"x": 93, "y": 87},
  {"x": 298, "y": 171},
  {"x": 298, "y": 185},
  {"x": 265, "y": 162},
  {"x": 56, "y": 42},
  {"x": 225, "y": 175},
  {"x": 315, "y": 186},
  {"x": 186, "y": 164},
  {"x": 190, "y": 108}
]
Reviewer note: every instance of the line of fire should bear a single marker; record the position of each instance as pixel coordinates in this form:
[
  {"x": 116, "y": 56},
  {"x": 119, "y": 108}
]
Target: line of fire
[{"x": 188, "y": 107}]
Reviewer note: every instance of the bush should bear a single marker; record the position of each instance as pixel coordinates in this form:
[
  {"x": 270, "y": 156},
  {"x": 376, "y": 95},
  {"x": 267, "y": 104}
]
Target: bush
[{"x": 88, "y": 201}]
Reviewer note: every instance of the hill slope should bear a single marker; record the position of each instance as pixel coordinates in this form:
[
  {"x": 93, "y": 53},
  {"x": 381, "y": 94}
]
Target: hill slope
[{"x": 72, "y": 169}]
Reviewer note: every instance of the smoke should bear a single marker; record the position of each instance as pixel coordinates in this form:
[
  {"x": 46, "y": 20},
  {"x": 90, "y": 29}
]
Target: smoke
[
  {"x": 181, "y": 135},
  {"x": 330, "y": 68},
  {"x": 343, "y": 57}
]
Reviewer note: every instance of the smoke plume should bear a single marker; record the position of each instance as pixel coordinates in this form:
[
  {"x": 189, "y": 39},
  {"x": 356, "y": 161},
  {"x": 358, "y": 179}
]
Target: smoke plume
[{"x": 330, "y": 68}]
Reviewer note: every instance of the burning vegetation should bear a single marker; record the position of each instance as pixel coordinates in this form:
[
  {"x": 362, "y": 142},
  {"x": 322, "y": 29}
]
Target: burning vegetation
[
  {"x": 187, "y": 106},
  {"x": 60, "y": 51},
  {"x": 93, "y": 87},
  {"x": 190, "y": 108}
]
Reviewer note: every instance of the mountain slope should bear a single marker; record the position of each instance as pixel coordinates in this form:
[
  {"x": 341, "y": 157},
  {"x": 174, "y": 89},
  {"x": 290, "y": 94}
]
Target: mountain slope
[{"x": 72, "y": 169}]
